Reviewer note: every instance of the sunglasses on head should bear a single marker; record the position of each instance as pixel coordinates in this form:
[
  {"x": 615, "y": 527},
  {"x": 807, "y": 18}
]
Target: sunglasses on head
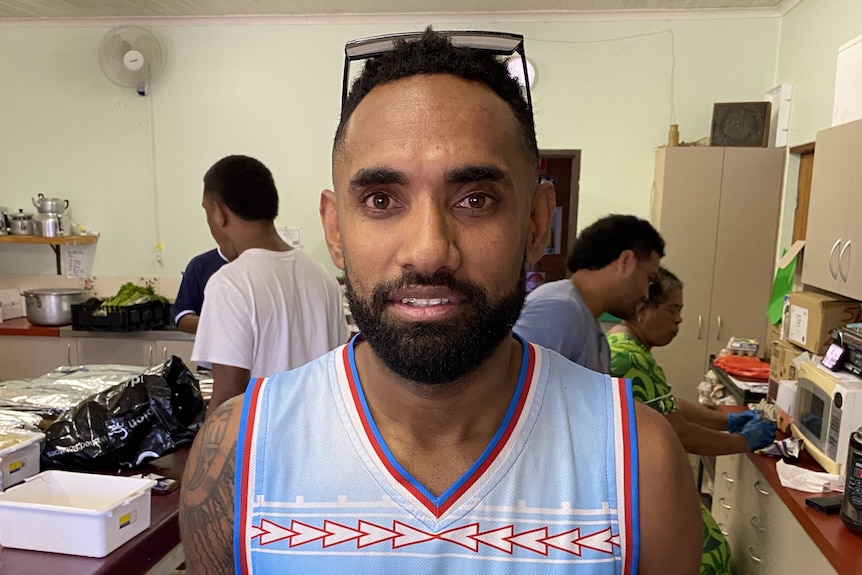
[{"x": 497, "y": 43}]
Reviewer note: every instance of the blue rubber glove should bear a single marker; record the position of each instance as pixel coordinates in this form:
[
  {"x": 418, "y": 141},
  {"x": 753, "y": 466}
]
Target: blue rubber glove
[
  {"x": 758, "y": 433},
  {"x": 736, "y": 420}
]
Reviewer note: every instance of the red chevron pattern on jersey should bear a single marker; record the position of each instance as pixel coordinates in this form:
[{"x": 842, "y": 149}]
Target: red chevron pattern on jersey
[{"x": 400, "y": 535}]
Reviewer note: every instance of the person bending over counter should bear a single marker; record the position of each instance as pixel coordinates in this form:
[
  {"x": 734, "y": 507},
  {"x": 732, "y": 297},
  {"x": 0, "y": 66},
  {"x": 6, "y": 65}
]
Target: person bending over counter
[{"x": 702, "y": 431}]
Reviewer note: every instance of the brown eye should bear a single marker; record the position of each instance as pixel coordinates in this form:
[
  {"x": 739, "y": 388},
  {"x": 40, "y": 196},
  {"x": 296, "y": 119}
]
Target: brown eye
[
  {"x": 476, "y": 202},
  {"x": 378, "y": 201}
]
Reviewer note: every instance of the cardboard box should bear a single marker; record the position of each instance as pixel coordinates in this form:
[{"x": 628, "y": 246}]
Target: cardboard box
[
  {"x": 781, "y": 366},
  {"x": 814, "y": 315}
]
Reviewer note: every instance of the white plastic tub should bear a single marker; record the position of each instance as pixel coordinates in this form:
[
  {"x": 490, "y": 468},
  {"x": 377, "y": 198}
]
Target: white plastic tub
[
  {"x": 75, "y": 513},
  {"x": 19, "y": 456}
]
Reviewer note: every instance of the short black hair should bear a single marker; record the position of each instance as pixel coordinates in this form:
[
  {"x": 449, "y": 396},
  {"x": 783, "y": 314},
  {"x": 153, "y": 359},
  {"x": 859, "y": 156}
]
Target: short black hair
[
  {"x": 659, "y": 289},
  {"x": 433, "y": 53},
  {"x": 603, "y": 242},
  {"x": 245, "y": 186}
]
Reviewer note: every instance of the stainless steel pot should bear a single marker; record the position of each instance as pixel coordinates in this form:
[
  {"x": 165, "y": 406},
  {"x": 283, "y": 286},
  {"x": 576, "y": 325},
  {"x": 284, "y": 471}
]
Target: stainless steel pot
[
  {"x": 21, "y": 224},
  {"x": 4, "y": 225},
  {"x": 49, "y": 226},
  {"x": 50, "y": 205},
  {"x": 52, "y": 306}
]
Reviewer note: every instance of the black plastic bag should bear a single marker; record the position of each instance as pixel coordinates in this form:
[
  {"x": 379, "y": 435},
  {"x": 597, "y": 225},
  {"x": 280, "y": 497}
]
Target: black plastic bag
[{"x": 129, "y": 424}]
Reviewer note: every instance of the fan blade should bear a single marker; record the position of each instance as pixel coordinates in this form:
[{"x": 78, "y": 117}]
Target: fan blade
[{"x": 149, "y": 46}]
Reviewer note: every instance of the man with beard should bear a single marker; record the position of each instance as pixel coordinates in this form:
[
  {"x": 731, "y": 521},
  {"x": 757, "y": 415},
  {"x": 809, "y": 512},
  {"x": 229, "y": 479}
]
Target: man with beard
[
  {"x": 612, "y": 263},
  {"x": 436, "y": 441}
]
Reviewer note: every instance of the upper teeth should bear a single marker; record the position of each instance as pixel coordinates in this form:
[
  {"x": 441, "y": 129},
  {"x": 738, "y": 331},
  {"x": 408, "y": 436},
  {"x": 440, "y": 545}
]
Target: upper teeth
[{"x": 419, "y": 302}]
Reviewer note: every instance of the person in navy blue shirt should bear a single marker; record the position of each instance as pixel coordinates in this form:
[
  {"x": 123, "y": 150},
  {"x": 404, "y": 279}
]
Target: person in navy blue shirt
[{"x": 190, "y": 299}]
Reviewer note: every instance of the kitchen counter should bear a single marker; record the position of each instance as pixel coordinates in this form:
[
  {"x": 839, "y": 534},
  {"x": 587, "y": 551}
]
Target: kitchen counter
[
  {"x": 20, "y": 326},
  {"x": 841, "y": 547}
]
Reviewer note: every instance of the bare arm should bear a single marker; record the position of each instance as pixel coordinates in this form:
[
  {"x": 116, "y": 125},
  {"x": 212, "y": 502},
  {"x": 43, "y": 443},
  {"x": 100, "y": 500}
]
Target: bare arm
[
  {"x": 703, "y": 441},
  {"x": 671, "y": 528},
  {"x": 189, "y": 323},
  {"x": 703, "y": 416},
  {"x": 207, "y": 497},
  {"x": 228, "y": 381}
]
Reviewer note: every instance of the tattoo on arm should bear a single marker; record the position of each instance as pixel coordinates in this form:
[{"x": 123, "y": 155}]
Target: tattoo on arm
[{"x": 207, "y": 498}]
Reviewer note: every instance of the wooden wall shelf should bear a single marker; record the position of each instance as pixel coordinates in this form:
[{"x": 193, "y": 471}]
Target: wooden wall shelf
[{"x": 55, "y": 243}]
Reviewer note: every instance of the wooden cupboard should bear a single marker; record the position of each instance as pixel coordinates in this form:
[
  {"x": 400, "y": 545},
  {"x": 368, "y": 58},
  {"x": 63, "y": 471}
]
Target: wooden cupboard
[
  {"x": 717, "y": 209},
  {"x": 833, "y": 243}
]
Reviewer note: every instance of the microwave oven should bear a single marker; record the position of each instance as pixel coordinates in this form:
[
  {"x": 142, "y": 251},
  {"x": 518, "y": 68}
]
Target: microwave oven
[{"x": 827, "y": 411}]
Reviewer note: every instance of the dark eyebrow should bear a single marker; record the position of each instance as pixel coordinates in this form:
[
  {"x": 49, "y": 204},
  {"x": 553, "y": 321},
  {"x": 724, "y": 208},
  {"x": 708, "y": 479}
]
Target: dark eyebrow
[
  {"x": 467, "y": 174},
  {"x": 377, "y": 176}
]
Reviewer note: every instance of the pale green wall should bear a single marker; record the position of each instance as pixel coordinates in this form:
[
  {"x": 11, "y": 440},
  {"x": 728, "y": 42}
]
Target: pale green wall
[
  {"x": 811, "y": 34},
  {"x": 273, "y": 92}
]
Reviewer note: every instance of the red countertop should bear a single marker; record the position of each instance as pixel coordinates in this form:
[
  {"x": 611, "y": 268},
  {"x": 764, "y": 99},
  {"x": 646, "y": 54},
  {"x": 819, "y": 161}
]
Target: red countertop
[
  {"x": 20, "y": 326},
  {"x": 841, "y": 547}
]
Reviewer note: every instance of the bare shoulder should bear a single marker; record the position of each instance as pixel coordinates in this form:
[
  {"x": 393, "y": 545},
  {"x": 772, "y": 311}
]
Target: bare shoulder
[
  {"x": 671, "y": 529},
  {"x": 207, "y": 496}
]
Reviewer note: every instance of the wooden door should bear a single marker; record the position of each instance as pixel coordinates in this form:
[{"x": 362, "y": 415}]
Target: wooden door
[
  {"x": 688, "y": 221},
  {"x": 751, "y": 186},
  {"x": 827, "y": 211}
]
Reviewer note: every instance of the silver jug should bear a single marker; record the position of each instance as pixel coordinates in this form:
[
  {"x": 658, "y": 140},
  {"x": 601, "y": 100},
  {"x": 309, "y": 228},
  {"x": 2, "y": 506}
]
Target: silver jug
[
  {"x": 50, "y": 205},
  {"x": 21, "y": 224},
  {"x": 49, "y": 225},
  {"x": 4, "y": 222}
]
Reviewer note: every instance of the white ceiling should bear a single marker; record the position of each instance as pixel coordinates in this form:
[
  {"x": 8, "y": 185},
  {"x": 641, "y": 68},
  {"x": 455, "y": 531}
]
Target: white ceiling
[{"x": 89, "y": 9}]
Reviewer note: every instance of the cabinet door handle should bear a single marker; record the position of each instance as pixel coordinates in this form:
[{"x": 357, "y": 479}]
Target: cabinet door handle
[
  {"x": 150, "y": 356},
  {"x": 727, "y": 478},
  {"x": 718, "y": 331},
  {"x": 699, "y": 326},
  {"x": 829, "y": 260},
  {"x": 841, "y": 257},
  {"x": 165, "y": 353},
  {"x": 725, "y": 505},
  {"x": 759, "y": 489},
  {"x": 750, "y": 552},
  {"x": 756, "y": 525},
  {"x": 69, "y": 354}
]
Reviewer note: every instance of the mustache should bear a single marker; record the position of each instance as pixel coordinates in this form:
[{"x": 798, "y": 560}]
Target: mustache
[{"x": 469, "y": 290}]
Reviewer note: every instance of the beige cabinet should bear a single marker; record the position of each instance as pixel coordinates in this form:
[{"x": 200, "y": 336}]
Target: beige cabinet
[
  {"x": 132, "y": 351},
  {"x": 764, "y": 537},
  {"x": 833, "y": 243},
  {"x": 717, "y": 209},
  {"x": 28, "y": 357}
]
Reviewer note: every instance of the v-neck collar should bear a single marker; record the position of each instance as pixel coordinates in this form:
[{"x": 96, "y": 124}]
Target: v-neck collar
[{"x": 438, "y": 505}]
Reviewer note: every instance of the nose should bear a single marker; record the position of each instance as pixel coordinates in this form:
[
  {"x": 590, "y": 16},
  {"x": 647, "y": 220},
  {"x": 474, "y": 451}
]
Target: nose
[{"x": 429, "y": 238}]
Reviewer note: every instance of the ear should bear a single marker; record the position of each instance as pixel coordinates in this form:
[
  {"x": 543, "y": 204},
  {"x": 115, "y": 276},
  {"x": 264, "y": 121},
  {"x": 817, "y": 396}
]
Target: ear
[
  {"x": 541, "y": 209},
  {"x": 221, "y": 214},
  {"x": 627, "y": 262},
  {"x": 331, "y": 229},
  {"x": 640, "y": 309}
]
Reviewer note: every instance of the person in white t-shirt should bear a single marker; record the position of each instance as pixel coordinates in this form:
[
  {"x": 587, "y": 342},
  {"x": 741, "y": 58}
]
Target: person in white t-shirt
[{"x": 272, "y": 308}]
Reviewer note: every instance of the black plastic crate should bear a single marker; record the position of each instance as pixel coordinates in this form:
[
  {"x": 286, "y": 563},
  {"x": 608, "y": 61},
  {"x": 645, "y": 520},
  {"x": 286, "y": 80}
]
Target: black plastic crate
[{"x": 88, "y": 316}]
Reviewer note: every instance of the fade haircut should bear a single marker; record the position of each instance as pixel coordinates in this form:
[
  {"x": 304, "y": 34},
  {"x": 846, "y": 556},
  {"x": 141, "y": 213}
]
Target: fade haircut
[
  {"x": 601, "y": 243},
  {"x": 433, "y": 53},
  {"x": 664, "y": 284},
  {"x": 245, "y": 186}
]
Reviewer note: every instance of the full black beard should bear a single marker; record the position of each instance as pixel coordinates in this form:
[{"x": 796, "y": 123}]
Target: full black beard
[{"x": 438, "y": 352}]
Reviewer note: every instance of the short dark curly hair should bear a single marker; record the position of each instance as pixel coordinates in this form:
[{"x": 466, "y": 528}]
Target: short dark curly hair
[
  {"x": 245, "y": 186},
  {"x": 433, "y": 53},
  {"x": 603, "y": 242},
  {"x": 660, "y": 289}
]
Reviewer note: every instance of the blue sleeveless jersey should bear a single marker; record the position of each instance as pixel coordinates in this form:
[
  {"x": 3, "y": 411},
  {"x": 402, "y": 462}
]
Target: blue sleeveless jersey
[{"x": 318, "y": 491}]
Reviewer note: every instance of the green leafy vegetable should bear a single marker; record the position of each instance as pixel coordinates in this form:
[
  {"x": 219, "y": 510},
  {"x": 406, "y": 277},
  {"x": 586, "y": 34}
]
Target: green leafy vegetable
[{"x": 131, "y": 294}]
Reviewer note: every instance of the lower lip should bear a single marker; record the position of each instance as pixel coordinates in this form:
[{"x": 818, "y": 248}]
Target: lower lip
[{"x": 429, "y": 313}]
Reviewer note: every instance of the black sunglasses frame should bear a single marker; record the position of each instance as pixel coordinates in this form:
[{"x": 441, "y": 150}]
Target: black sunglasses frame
[{"x": 497, "y": 43}]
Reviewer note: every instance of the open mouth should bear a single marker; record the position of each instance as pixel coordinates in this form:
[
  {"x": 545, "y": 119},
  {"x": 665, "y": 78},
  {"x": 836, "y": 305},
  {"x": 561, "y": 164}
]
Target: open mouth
[{"x": 425, "y": 302}]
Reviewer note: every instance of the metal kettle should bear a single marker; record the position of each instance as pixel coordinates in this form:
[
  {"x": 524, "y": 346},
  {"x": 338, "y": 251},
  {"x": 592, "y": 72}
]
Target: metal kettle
[
  {"x": 851, "y": 505},
  {"x": 50, "y": 205}
]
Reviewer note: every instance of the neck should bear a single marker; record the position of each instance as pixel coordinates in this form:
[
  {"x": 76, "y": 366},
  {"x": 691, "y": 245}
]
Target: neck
[
  {"x": 260, "y": 235},
  {"x": 591, "y": 292},
  {"x": 633, "y": 329}
]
